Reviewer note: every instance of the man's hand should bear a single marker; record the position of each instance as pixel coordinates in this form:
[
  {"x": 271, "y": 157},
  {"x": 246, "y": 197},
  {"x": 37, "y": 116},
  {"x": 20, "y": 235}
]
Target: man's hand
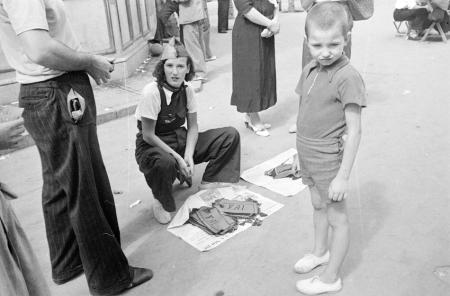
[
  {"x": 10, "y": 133},
  {"x": 338, "y": 189},
  {"x": 100, "y": 68}
]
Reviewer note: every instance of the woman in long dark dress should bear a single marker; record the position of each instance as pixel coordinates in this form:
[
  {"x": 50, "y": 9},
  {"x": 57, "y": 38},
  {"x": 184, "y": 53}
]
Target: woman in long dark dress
[{"x": 253, "y": 49}]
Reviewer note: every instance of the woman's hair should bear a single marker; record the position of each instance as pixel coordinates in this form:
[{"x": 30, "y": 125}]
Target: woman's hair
[{"x": 160, "y": 76}]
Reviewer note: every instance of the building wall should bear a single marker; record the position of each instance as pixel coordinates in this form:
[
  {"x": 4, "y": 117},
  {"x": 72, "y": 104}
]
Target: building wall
[{"x": 117, "y": 28}]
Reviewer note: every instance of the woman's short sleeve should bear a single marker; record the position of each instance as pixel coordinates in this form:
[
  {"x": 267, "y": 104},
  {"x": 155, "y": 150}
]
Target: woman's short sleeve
[
  {"x": 150, "y": 103},
  {"x": 243, "y": 6},
  {"x": 191, "y": 100},
  {"x": 351, "y": 89}
]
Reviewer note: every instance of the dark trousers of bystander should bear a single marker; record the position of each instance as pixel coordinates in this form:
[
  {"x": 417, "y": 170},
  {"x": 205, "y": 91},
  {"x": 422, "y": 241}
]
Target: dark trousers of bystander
[
  {"x": 417, "y": 18},
  {"x": 222, "y": 15},
  {"x": 79, "y": 210}
]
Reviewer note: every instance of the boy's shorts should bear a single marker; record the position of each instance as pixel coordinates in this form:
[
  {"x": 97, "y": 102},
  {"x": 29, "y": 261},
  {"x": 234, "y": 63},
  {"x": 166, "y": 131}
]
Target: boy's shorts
[{"x": 320, "y": 160}]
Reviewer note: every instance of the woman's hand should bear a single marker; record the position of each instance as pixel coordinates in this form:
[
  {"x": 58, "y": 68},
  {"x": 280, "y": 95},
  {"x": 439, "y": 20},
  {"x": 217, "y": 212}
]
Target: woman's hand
[
  {"x": 274, "y": 26},
  {"x": 295, "y": 164},
  {"x": 338, "y": 189},
  {"x": 184, "y": 168},
  {"x": 190, "y": 165}
]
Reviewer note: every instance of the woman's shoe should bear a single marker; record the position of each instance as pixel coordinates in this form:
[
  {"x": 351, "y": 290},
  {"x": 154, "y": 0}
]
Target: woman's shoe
[
  {"x": 260, "y": 132},
  {"x": 247, "y": 120},
  {"x": 161, "y": 215}
]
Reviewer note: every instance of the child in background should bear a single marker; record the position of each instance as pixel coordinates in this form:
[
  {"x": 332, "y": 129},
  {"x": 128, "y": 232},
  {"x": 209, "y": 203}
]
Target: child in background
[
  {"x": 332, "y": 94},
  {"x": 165, "y": 149}
]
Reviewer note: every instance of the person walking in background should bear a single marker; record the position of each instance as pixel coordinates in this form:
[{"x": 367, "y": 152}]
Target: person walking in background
[
  {"x": 60, "y": 115},
  {"x": 20, "y": 273},
  {"x": 222, "y": 15},
  {"x": 191, "y": 16},
  {"x": 206, "y": 25},
  {"x": 253, "y": 65}
]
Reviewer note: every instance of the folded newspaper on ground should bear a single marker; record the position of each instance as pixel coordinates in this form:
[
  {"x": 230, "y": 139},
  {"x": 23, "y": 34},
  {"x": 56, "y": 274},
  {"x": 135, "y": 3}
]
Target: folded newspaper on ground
[
  {"x": 283, "y": 186},
  {"x": 198, "y": 238}
]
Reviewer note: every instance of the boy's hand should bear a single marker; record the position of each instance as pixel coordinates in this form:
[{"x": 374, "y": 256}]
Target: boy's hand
[
  {"x": 338, "y": 189},
  {"x": 10, "y": 133},
  {"x": 295, "y": 164}
]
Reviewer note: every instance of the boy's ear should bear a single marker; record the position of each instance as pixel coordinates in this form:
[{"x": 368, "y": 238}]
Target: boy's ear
[{"x": 349, "y": 35}]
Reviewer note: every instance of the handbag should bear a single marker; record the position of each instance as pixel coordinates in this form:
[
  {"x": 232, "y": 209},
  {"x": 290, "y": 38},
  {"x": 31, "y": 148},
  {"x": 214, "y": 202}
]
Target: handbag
[{"x": 360, "y": 9}]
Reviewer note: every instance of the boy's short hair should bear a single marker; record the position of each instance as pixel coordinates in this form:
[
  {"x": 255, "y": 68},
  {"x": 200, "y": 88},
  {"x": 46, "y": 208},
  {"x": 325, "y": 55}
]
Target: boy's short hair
[{"x": 327, "y": 15}]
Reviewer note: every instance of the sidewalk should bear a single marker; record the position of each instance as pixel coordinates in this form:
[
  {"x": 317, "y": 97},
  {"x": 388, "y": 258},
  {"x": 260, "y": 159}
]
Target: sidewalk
[{"x": 398, "y": 202}]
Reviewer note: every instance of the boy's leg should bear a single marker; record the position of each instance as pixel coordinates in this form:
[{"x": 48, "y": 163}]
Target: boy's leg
[
  {"x": 221, "y": 147},
  {"x": 320, "y": 223},
  {"x": 337, "y": 218}
]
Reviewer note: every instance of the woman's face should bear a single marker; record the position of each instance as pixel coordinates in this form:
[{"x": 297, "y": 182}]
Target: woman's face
[{"x": 175, "y": 71}]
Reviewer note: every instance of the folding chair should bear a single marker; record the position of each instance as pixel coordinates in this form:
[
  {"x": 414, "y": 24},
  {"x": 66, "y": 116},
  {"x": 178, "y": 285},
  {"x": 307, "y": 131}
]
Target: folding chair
[
  {"x": 439, "y": 28},
  {"x": 398, "y": 26}
]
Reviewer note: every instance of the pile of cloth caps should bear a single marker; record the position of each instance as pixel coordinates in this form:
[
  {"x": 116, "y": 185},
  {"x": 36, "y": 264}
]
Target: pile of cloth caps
[
  {"x": 284, "y": 170},
  {"x": 224, "y": 216}
]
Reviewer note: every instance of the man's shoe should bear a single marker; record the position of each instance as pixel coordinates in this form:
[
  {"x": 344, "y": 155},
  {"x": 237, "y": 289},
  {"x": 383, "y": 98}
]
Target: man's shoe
[
  {"x": 314, "y": 286},
  {"x": 139, "y": 276},
  {"x": 161, "y": 215},
  {"x": 310, "y": 261}
]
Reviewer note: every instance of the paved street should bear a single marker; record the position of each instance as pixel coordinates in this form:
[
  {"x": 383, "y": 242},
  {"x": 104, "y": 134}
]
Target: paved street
[{"x": 399, "y": 199}]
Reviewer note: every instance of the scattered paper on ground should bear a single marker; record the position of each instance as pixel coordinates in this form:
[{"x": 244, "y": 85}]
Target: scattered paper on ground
[
  {"x": 200, "y": 239},
  {"x": 284, "y": 186}
]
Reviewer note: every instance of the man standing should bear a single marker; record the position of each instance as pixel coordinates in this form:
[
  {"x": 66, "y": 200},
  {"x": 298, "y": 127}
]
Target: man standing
[{"x": 59, "y": 113}]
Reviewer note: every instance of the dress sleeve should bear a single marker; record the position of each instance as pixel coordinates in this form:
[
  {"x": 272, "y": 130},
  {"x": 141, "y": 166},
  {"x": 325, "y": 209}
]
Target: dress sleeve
[
  {"x": 191, "y": 100},
  {"x": 352, "y": 90},
  {"x": 26, "y": 15},
  {"x": 150, "y": 103},
  {"x": 243, "y": 6}
]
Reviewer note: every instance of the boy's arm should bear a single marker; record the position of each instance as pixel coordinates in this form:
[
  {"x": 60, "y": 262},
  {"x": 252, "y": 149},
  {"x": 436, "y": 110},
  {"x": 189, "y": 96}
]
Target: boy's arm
[
  {"x": 339, "y": 186},
  {"x": 148, "y": 133},
  {"x": 191, "y": 140}
]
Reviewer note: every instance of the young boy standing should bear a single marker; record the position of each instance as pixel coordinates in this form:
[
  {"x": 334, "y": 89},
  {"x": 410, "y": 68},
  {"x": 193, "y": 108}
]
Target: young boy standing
[{"x": 332, "y": 94}]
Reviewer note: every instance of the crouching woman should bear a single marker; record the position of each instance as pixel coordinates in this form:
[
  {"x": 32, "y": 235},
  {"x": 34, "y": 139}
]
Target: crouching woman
[{"x": 165, "y": 149}]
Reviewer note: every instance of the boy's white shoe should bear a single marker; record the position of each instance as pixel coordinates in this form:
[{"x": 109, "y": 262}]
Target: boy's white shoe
[
  {"x": 161, "y": 215},
  {"x": 311, "y": 261},
  {"x": 314, "y": 286}
]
